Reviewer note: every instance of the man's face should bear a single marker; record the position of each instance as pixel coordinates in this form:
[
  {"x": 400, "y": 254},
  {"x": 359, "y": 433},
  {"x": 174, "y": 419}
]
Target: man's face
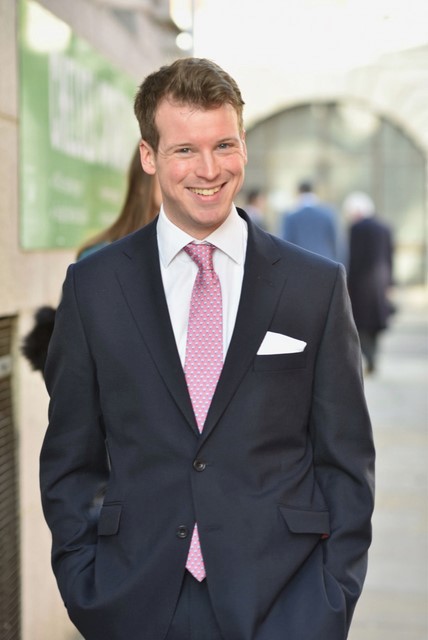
[{"x": 200, "y": 164}]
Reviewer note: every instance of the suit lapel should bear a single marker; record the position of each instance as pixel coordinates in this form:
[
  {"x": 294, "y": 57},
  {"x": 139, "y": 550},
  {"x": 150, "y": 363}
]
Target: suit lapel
[
  {"x": 141, "y": 282},
  {"x": 261, "y": 288}
]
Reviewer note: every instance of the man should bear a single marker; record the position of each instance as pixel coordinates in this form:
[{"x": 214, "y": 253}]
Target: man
[
  {"x": 312, "y": 225},
  {"x": 369, "y": 273},
  {"x": 237, "y": 509}
]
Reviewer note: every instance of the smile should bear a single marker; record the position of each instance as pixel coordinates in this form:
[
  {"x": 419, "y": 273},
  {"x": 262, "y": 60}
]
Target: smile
[{"x": 205, "y": 192}]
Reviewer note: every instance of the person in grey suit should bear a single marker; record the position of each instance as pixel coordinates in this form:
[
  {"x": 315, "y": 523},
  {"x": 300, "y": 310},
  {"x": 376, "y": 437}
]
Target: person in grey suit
[
  {"x": 277, "y": 487},
  {"x": 313, "y": 225}
]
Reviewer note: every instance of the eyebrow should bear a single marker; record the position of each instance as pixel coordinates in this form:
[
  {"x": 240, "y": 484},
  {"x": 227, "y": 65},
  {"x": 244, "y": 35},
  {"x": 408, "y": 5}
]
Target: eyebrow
[{"x": 178, "y": 145}]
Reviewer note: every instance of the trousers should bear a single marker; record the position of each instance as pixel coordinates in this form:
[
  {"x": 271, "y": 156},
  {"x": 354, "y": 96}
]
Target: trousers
[{"x": 194, "y": 618}]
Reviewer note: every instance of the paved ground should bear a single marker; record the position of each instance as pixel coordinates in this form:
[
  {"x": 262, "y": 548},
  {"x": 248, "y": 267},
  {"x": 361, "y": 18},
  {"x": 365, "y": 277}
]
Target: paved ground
[{"x": 394, "y": 604}]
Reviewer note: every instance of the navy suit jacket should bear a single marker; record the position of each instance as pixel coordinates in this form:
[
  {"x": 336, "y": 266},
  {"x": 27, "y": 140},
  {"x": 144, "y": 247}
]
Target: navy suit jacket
[{"x": 280, "y": 481}]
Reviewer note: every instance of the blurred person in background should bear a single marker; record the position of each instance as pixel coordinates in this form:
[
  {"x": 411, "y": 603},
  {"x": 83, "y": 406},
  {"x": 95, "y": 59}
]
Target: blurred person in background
[
  {"x": 255, "y": 207},
  {"x": 370, "y": 272},
  {"x": 313, "y": 225},
  {"x": 141, "y": 204},
  {"x": 210, "y": 374}
]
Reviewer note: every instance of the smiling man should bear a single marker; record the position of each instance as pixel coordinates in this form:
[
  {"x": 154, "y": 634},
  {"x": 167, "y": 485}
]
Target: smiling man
[
  {"x": 208, "y": 375},
  {"x": 200, "y": 159}
]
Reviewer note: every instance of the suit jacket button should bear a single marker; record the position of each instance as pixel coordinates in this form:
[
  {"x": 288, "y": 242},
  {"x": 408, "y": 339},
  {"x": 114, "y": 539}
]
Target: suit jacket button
[
  {"x": 199, "y": 465},
  {"x": 182, "y": 531}
]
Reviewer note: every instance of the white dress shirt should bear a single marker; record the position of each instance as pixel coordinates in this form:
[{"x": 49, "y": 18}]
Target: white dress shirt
[{"x": 179, "y": 272}]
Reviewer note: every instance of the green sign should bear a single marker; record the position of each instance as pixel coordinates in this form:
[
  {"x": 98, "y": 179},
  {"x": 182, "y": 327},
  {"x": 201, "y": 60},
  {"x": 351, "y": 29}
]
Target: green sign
[{"x": 77, "y": 134}]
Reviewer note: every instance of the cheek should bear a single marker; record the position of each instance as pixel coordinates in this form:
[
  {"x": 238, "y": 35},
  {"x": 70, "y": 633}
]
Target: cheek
[
  {"x": 236, "y": 166},
  {"x": 177, "y": 172},
  {"x": 237, "y": 162},
  {"x": 168, "y": 177}
]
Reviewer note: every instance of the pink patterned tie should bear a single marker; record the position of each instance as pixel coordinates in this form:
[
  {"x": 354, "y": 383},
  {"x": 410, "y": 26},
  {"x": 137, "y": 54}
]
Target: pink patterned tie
[{"x": 204, "y": 357}]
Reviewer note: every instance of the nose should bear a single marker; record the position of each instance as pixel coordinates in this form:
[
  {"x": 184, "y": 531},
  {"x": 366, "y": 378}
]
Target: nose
[{"x": 207, "y": 166}]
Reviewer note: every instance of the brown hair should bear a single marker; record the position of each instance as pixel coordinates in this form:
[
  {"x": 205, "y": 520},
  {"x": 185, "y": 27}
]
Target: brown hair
[
  {"x": 139, "y": 207},
  {"x": 192, "y": 81}
]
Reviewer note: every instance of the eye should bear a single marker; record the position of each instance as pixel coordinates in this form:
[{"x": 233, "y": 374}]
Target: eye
[
  {"x": 183, "y": 150},
  {"x": 224, "y": 145}
]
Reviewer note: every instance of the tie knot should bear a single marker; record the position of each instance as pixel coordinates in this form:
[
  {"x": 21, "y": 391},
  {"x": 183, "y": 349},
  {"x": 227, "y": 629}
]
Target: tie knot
[{"x": 202, "y": 254}]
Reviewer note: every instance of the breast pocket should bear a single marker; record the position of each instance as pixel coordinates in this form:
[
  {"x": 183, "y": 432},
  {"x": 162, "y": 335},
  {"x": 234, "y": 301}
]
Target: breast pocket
[{"x": 280, "y": 362}]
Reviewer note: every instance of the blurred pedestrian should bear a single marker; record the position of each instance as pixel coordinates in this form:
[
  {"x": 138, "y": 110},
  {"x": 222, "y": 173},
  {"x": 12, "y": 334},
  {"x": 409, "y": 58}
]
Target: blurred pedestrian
[
  {"x": 370, "y": 272},
  {"x": 255, "y": 207},
  {"x": 210, "y": 373},
  {"x": 312, "y": 224},
  {"x": 141, "y": 204}
]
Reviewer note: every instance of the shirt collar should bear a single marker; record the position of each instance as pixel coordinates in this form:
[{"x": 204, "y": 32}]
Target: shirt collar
[{"x": 230, "y": 237}]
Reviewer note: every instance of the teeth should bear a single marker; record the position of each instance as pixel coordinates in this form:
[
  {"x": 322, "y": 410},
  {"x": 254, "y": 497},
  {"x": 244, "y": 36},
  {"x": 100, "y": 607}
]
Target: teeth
[{"x": 205, "y": 192}]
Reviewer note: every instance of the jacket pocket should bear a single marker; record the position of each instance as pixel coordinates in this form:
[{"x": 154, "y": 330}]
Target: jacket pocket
[
  {"x": 306, "y": 521},
  {"x": 109, "y": 520},
  {"x": 280, "y": 361}
]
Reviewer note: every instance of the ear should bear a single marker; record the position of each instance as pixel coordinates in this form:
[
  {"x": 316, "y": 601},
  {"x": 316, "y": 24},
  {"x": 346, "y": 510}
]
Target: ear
[{"x": 147, "y": 156}]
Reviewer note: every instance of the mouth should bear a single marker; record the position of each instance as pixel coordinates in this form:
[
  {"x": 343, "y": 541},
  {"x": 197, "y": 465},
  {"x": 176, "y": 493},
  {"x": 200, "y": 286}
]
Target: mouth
[{"x": 205, "y": 192}]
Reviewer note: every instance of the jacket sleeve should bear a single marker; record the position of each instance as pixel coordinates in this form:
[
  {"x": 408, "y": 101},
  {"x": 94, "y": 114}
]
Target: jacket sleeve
[
  {"x": 73, "y": 460},
  {"x": 343, "y": 447}
]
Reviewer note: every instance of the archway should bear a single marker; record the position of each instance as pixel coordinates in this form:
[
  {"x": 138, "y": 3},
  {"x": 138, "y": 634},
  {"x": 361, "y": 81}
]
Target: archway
[{"x": 344, "y": 147}]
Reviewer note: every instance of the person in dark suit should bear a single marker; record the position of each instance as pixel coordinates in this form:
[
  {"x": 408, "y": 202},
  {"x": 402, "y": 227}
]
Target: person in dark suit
[
  {"x": 239, "y": 513},
  {"x": 370, "y": 272},
  {"x": 313, "y": 225}
]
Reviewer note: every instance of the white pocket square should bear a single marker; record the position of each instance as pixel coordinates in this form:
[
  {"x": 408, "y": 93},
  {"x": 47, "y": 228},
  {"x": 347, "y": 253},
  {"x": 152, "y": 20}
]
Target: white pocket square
[{"x": 276, "y": 343}]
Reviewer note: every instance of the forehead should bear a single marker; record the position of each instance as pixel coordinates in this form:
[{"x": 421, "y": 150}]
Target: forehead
[{"x": 173, "y": 118}]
